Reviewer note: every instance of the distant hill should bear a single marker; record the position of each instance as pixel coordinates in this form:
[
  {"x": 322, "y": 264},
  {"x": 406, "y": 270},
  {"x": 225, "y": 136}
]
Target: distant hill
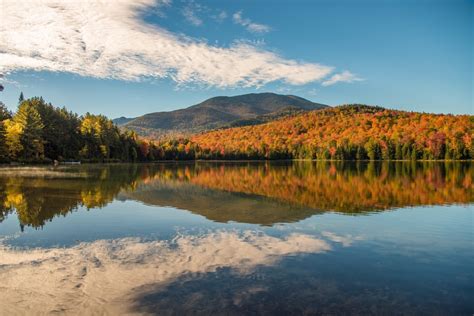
[
  {"x": 265, "y": 118},
  {"x": 122, "y": 120},
  {"x": 247, "y": 109},
  {"x": 348, "y": 132}
]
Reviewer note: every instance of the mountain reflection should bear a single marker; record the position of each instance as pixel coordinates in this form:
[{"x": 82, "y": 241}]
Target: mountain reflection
[{"x": 260, "y": 193}]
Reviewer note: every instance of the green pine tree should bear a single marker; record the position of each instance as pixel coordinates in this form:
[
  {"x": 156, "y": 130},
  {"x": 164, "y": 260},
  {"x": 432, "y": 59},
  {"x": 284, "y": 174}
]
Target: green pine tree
[
  {"x": 373, "y": 150},
  {"x": 28, "y": 118},
  {"x": 414, "y": 153},
  {"x": 21, "y": 98},
  {"x": 398, "y": 152}
]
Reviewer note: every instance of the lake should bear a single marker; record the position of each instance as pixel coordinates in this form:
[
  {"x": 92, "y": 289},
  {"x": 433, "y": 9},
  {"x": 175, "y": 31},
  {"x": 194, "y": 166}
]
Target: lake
[{"x": 312, "y": 238}]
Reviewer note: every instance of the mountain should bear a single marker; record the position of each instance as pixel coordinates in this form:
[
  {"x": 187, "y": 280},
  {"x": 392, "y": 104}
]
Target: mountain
[
  {"x": 348, "y": 132},
  {"x": 122, "y": 120},
  {"x": 218, "y": 112},
  {"x": 265, "y": 118}
]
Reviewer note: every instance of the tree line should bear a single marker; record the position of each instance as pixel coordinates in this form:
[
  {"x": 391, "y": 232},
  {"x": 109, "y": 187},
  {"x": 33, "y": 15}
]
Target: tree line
[
  {"x": 41, "y": 132},
  {"x": 348, "y": 132}
]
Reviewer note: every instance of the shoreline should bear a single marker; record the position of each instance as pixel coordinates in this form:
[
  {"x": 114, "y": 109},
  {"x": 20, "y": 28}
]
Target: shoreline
[{"x": 190, "y": 161}]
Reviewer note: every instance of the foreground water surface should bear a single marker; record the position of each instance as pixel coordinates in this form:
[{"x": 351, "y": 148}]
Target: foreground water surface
[{"x": 238, "y": 238}]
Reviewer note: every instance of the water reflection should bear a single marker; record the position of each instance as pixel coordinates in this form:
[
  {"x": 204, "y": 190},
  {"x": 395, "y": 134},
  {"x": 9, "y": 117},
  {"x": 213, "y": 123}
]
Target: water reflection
[
  {"x": 37, "y": 195},
  {"x": 408, "y": 261},
  {"x": 348, "y": 187},
  {"x": 108, "y": 276},
  {"x": 260, "y": 193}
]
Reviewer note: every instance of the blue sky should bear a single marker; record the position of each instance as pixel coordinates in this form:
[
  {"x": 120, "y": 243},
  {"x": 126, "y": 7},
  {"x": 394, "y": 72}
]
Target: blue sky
[{"x": 410, "y": 55}]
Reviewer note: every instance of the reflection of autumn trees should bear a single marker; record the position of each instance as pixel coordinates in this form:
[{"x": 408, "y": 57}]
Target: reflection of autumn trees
[
  {"x": 5, "y": 208},
  {"x": 38, "y": 200},
  {"x": 342, "y": 187}
]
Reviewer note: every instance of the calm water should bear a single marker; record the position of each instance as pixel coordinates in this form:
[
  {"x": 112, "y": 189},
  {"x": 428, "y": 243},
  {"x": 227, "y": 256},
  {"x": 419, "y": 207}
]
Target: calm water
[{"x": 238, "y": 238}]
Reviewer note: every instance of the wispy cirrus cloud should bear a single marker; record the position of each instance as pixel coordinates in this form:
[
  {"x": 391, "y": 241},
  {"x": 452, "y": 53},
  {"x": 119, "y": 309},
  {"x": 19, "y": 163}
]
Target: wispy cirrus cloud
[
  {"x": 345, "y": 76},
  {"x": 189, "y": 12},
  {"x": 104, "y": 39},
  {"x": 249, "y": 25},
  {"x": 221, "y": 16}
]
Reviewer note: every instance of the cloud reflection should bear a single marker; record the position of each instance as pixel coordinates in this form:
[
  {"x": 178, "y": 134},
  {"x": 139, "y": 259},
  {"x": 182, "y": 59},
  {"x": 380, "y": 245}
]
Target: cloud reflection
[
  {"x": 345, "y": 241},
  {"x": 104, "y": 276}
]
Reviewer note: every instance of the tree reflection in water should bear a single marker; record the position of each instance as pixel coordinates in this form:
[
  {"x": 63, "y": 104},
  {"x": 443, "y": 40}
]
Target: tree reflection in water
[{"x": 262, "y": 193}]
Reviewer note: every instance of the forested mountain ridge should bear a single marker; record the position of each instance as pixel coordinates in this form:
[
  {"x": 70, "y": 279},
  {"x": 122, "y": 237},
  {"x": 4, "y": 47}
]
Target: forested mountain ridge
[
  {"x": 347, "y": 132},
  {"x": 286, "y": 112},
  {"x": 215, "y": 113},
  {"x": 40, "y": 132}
]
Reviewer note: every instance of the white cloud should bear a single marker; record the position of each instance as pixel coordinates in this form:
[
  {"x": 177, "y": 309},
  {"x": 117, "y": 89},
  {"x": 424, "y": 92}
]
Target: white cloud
[
  {"x": 189, "y": 13},
  {"x": 345, "y": 76},
  {"x": 346, "y": 241},
  {"x": 6, "y": 81},
  {"x": 104, "y": 39},
  {"x": 221, "y": 16},
  {"x": 159, "y": 10},
  {"x": 102, "y": 277},
  {"x": 249, "y": 25}
]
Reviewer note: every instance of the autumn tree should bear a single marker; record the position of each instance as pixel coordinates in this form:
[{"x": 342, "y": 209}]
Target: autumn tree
[
  {"x": 348, "y": 132},
  {"x": 102, "y": 138},
  {"x": 30, "y": 127},
  {"x": 4, "y": 115}
]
